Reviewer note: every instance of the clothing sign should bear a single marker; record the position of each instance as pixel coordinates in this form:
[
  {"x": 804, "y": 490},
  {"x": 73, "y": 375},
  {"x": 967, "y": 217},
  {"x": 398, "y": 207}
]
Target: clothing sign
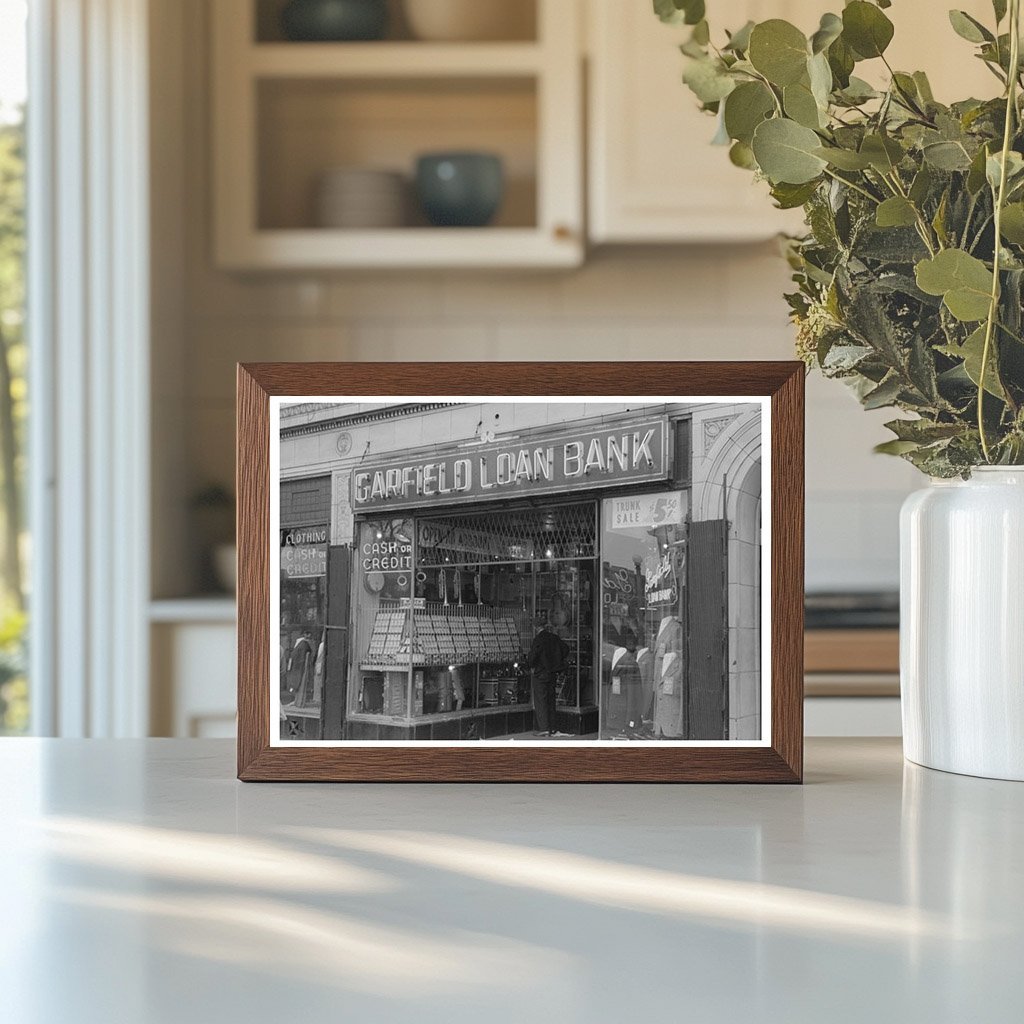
[
  {"x": 304, "y": 552},
  {"x": 543, "y": 463},
  {"x": 667, "y": 508}
]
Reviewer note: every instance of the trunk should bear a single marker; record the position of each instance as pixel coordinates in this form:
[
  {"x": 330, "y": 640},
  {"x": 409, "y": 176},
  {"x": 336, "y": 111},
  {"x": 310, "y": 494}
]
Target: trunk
[{"x": 11, "y": 496}]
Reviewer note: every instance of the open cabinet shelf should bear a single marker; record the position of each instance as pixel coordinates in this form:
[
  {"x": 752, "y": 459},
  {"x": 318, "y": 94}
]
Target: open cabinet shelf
[
  {"x": 286, "y": 114},
  {"x": 394, "y": 59}
]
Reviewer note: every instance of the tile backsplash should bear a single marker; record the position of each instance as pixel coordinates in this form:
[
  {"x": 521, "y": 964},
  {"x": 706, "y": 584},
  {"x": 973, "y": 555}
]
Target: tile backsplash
[{"x": 702, "y": 303}]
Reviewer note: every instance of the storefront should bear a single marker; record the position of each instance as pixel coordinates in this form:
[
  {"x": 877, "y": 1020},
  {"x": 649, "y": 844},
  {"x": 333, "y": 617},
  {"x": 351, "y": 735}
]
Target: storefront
[
  {"x": 305, "y": 510},
  {"x": 456, "y": 555}
]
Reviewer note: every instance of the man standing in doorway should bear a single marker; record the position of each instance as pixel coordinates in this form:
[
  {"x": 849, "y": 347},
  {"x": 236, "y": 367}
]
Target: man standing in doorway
[{"x": 547, "y": 659}]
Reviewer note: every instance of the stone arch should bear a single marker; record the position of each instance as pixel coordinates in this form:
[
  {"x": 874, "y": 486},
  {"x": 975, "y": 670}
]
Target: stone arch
[{"x": 731, "y": 456}]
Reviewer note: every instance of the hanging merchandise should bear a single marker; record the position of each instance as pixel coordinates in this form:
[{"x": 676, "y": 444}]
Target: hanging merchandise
[
  {"x": 668, "y": 708},
  {"x": 668, "y": 672},
  {"x": 458, "y": 585},
  {"x": 622, "y": 694},
  {"x": 442, "y": 584},
  {"x": 645, "y": 664}
]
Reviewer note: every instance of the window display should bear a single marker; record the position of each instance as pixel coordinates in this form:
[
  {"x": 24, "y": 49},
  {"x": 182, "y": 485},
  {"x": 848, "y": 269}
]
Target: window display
[
  {"x": 450, "y": 607},
  {"x": 643, "y": 577},
  {"x": 303, "y": 618}
]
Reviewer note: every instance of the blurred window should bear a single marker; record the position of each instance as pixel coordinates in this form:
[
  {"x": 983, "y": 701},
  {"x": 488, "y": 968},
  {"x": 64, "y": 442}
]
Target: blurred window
[{"x": 14, "y": 548}]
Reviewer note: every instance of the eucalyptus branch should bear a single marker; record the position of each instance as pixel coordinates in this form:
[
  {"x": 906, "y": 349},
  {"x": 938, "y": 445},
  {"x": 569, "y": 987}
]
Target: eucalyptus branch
[
  {"x": 853, "y": 185},
  {"x": 923, "y": 227},
  {"x": 1000, "y": 200}
]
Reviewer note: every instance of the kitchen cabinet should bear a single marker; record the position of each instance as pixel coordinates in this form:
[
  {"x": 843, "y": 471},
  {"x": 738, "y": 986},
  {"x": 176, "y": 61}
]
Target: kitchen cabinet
[
  {"x": 287, "y": 113},
  {"x": 653, "y": 175},
  {"x": 192, "y": 649}
]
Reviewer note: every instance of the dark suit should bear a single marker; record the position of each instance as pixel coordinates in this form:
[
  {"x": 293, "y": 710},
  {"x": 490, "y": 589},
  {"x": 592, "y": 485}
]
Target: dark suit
[{"x": 547, "y": 659}]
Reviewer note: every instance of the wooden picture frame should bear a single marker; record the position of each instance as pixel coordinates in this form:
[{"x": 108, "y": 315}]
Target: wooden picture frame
[{"x": 777, "y": 755}]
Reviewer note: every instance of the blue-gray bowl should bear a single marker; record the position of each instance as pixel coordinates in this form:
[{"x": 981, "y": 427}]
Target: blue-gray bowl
[
  {"x": 332, "y": 21},
  {"x": 461, "y": 190}
]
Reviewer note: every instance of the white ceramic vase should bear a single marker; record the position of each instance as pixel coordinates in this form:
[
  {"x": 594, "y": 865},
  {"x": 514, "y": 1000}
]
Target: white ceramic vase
[{"x": 962, "y": 624}]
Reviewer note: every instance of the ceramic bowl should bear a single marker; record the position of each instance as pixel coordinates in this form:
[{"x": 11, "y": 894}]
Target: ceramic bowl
[
  {"x": 460, "y": 189},
  {"x": 471, "y": 20},
  {"x": 357, "y": 197},
  {"x": 334, "y": 20}
]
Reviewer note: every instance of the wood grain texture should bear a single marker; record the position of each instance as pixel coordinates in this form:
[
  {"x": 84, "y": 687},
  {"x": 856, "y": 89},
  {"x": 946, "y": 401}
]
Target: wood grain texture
[
  {"x": 852, "y": 650},
  {"x": 781, "y": 762},
  {"x": 252, "y": 485}
]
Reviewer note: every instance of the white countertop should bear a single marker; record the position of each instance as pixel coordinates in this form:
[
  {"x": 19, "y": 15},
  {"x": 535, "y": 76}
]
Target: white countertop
[{"x": 143, "y": 885}]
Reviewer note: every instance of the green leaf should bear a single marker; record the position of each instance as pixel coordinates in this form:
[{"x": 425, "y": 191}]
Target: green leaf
[
  {"x": 906, "y": 87},
  {"x": 969, "y": 28},
  {"x": 924, "y": 87},
  {"x": 896, "y": 212},
  {"x": 785, "y": 152},
  {"x": 739, "y": 41},
  {"x": 708, "y": 80},
  {"x": 800, "y": 105},
  {"x": 866, "y": 29},
  {"x": 830, "y": 29},
  {"x": 844, "y": 159},
  {"x": 789, "y": 197},
  {"x": 745, "y": 108},
  {"x": 976, "y": 174},
  {"x": 972, "y": 352},
  {"x": 921, "y": 185},
  {"x": 923, "y": 431},
  {"x": 820, "y": 76},
  {"x": 841, "y": 60},
  {"x": 858, "y": 91},
  {"x": 741, "y": 155},
  {"x": 999, "y": 6},
  {"x": 963, "y": 281},
  {"x": 947, "y": 156},
  {"x": 778, "y": 50},
  {"x": 1012, "y": 225},
  {"x": 1014, "y": 169},
  {"x": 676, "y": 12},
  {"x": 896, "y": 447},
  {"x": 885, "y": 394},
  {"x": 883, "y": 153},
  {"x": 939, "y": 220}
]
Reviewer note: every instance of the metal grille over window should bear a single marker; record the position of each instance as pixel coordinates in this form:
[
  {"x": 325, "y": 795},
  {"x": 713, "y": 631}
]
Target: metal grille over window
[{"x": 554, "y": 533}]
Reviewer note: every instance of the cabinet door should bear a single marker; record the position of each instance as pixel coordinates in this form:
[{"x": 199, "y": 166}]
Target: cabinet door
[{"x": 654, "y": 176}]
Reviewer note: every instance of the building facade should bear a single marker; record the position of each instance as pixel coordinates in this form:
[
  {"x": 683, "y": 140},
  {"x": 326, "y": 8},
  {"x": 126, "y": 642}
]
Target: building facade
[{"x": 424, "y": 546}]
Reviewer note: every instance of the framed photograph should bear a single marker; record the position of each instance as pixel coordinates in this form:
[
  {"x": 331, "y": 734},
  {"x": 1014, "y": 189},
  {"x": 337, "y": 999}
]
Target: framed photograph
[{"x": 520, "y": 572}]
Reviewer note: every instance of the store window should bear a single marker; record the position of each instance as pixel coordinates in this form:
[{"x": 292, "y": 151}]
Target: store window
[
  {"x": 643, "y": 657},
  {"x": 448, "y": 607},
  {"x": 304, "y": 509},
  {"x": 382, "y": 620}
]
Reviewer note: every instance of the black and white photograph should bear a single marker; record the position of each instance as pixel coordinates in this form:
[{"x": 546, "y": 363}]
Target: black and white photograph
[{"x": 527, "y": 570}]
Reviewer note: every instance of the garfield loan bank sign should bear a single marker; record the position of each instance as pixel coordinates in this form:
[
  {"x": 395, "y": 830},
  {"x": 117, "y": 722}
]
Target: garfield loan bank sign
[{"x": 627, "y": 454}]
